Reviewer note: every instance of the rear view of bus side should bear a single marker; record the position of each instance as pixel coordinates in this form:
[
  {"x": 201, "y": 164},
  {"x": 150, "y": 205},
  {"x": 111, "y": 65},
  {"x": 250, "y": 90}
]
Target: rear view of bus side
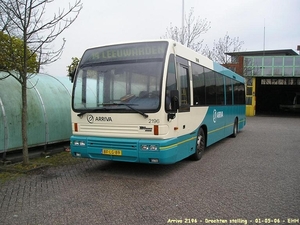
[{"x": 152, "y": 102}]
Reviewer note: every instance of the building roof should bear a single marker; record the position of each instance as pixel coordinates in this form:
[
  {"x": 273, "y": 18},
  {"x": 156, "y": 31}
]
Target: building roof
[{"x": 282, "y": 52}]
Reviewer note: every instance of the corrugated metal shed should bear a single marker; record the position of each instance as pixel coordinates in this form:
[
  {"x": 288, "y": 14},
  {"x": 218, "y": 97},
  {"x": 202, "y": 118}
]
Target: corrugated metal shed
[{"x": 49, "y": 119}]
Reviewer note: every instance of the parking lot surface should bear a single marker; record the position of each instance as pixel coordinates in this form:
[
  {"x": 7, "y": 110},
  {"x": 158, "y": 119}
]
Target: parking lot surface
[{"x": 251, "y": 179}]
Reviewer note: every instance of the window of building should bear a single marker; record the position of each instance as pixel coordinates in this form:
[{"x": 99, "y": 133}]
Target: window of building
[
  {"x": 288, "y": 61},
  {"x": 278, "y": 61},
  {"x": 257, "y": 62},
  {"x": 288, "y": 71},
  {"x": 268, "y": 61}
]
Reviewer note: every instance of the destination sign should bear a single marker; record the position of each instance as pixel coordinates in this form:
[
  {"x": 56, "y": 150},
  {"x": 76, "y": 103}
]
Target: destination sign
[{"x": 146, "y": 50}]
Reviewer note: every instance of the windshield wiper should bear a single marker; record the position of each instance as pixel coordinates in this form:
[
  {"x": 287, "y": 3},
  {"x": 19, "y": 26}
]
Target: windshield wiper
[
  {"x": 129, "y": 106},
  {"x": 90, "y": 111},
  {"x": 112, "y": 104}
]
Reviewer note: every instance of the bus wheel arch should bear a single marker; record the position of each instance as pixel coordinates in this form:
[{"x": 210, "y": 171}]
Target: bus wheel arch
[
  {"x": 200, "y": 144},
  {"x": 235, "y": 127}
]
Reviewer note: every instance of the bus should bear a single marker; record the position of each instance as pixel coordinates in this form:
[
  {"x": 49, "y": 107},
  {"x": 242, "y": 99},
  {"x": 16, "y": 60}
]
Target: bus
[{"x": 155, "y": 102}]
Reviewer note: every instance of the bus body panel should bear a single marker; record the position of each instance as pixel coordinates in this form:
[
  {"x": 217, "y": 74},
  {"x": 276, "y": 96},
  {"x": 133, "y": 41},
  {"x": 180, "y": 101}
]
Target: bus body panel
[
  {"x": 219, "y": 121},
  {"x": 170, "y": 150}
]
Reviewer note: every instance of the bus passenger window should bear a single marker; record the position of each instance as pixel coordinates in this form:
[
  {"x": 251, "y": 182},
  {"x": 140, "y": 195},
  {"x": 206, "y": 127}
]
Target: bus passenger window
[
  {"x": 184, "y": 95},
  {"x": 198, "y": 84},
  {"x": 220, "y": 89}
]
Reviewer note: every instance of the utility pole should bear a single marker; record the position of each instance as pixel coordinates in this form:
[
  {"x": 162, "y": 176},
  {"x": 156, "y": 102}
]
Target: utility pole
[
  {"x": 182, "y": 14},
  {"x": 182, "y": 24},
  {"x": 264, "y": 41}
]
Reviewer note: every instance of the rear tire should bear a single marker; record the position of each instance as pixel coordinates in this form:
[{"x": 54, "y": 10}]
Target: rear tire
[
  {"x": 235, "y": 128},
  {"x": 200, "y": 145}
]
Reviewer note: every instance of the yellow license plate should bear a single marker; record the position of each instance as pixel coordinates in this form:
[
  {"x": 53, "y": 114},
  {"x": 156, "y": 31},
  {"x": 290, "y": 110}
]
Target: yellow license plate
[{"x": 111, "y": 152}]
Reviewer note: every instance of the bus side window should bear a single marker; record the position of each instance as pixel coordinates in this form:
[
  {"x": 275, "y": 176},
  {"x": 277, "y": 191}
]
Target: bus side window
[
  {"x": 198, "y": 84},
  {"x": 220, "y": 89},
  {"x": 183, "y": 86},
  {"x": 183, "y": 73}
]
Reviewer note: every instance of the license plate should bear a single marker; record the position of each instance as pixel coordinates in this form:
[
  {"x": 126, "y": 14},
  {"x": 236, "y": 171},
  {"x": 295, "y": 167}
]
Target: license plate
[{"x": 111, "y": 152}]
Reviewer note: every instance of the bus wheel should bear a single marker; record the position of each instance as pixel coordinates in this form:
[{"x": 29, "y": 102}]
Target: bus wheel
[
  {"x": 235, "y": 128},
  {"x": 200, "y": 145}
]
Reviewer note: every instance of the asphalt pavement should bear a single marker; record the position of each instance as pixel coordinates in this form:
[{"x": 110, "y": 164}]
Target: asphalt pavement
[{"x": 251, "y": 179}]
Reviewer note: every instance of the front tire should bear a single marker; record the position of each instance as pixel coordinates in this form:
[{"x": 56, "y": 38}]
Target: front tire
[{"x": 200, "y": 145}]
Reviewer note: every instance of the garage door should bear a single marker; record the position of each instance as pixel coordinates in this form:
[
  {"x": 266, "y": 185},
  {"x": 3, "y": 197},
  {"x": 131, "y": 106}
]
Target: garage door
[{"x": 272, "y": 92}]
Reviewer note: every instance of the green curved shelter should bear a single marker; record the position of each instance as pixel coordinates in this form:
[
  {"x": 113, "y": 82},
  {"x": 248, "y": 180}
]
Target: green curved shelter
[{"x": 49, "y": 119}]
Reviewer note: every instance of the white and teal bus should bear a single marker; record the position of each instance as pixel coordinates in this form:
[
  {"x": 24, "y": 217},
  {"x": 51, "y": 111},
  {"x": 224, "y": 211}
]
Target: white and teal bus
[{"x": 154, "y": 102}]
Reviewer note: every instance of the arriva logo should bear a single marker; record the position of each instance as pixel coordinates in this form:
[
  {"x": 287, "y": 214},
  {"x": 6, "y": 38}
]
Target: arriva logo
[
  {"x": 90, "y": 118},
  {"x": 217, "y": 115}
]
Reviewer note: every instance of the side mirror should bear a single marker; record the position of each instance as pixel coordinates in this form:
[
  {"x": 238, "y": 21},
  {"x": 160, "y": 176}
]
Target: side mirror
[
  {"x": 174, "y": 100},
  {"x": 174, "y": 95}
]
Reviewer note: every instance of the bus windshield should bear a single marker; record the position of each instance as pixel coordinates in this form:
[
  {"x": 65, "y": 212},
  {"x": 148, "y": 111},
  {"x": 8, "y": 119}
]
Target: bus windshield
[{"x": 122, "y": 78}]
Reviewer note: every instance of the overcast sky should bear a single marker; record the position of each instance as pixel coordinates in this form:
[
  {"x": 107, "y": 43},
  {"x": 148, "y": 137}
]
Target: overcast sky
[{"x": 104, "y": 22}]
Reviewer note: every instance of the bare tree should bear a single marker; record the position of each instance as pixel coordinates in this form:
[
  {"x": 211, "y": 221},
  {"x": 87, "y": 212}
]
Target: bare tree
[
  {"x": 224, "y": 45},
  {"x": 189, "y": 35},
  {"x": 26, "y": 20}
]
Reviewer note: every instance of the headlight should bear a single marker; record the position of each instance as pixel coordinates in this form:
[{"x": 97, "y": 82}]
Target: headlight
[
  {"x": 145, "y": 147},
  {"x": 153, "y": 148},
  {"x": 79, "y": 143}
]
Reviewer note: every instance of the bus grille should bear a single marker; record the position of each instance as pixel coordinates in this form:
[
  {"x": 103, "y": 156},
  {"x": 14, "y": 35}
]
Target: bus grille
[
  {"x": 111, "y": 129},
  {"x": 124, "y": 145}
]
